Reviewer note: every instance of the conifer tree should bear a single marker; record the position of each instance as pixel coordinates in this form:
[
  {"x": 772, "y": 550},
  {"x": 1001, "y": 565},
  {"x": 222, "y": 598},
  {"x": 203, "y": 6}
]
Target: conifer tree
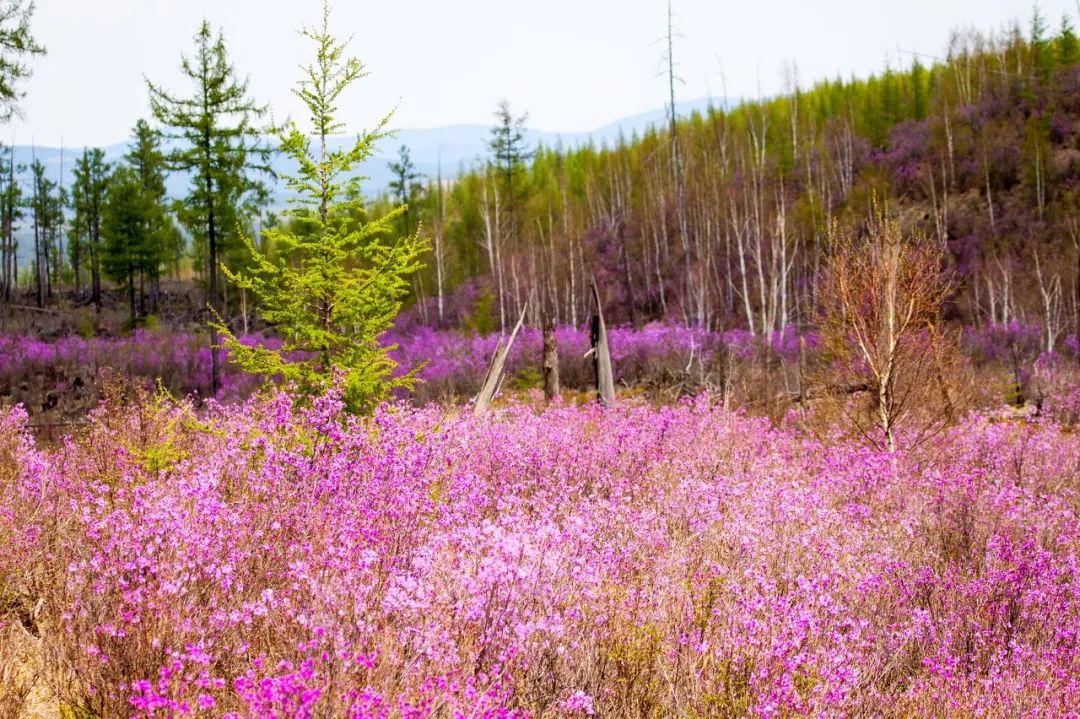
[
  {"x": 405, "y": 186},
  {"x": 16, "y": 46},
  {"x": 125, "y": 226},
  {"x": 135, "y": 223},
  {"x": 337, "y": 280},
  {"x": 1068, "y": 45},
  {"x": 510, "y": 154},
  {"x": 77, "y": 236},
  {"x": 88, "y": 201},
  {"x": 219, "y": 145},
  {"x": 145, "y": 157},
  {"x": 1042, "y": 56},
  {"x": 10, "y": 213},
  {"x": 46, "y": 205}
]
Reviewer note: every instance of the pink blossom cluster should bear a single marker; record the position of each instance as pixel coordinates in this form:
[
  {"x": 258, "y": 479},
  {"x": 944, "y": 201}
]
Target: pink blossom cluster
[
  {"x": 453, "y": 363},
  {"x": 265, "y": 560}
]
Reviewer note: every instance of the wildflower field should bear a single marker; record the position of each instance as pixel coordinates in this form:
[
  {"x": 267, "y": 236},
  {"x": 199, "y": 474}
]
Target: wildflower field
[{"x": 262, "y": 560}]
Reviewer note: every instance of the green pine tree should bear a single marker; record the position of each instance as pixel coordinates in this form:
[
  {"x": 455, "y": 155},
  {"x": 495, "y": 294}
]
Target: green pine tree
[
  {"x": 1042, "y": 55},
  {"x": 337, "y": 280},
  {"x": 405, "y": 187},
  {"x": 124, "y": 226},
  {"x": 47, "y": 211},
  {"x": 1068, "y": 45},
  {"x": 220, "y": 146},
  {"x": 136, "y": 226},
  {"x": 510, "y": 155},
  {"x": 145, "y": 157},
  {"x": 11, "y": 204},
  {"x": 16, "y": 46},
  {"x": 88, "y": 201}
]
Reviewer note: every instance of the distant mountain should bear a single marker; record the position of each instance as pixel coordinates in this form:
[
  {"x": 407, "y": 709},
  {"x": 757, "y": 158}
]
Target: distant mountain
[{"x": 455, "y": 148}]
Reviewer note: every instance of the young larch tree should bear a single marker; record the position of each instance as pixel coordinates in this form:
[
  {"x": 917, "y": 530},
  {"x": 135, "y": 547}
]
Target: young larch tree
[
  {"x": 16, "y": 46},
  {"x": 125, "y": 228},
  {"x": 220, "y": 146},
  {"x": 88, "y": 201},
  {"x": 335, "y": 280},
  {"x": 146, "y": 158}
]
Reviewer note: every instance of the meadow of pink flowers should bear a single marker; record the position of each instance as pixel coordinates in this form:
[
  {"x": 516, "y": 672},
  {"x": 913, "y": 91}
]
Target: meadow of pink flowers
[
  {"x": 179, "y": 361},
  {"x": 260, "y": 560}
]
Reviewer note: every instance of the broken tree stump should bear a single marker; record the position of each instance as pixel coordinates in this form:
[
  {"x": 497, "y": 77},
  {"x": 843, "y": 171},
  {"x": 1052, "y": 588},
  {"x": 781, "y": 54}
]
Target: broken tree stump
[
  {"x": 605, "y": 379},
  {"x": 550, "y": 362},
  {"x": 495, "y": 369}
]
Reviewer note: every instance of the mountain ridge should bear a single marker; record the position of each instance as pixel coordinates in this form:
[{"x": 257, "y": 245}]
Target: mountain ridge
[{"x": 449, "y": 149}]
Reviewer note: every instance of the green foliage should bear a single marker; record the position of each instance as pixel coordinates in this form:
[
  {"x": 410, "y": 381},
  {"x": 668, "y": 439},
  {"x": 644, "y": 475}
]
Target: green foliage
[
  {"x": 1042, "y": 55},
  {"x": 47, "y": 209},
  {"x": 218, "y": 143},
  {"x": 1068, "y": 45},
  {"x": 338, "y": 279},
  {"x": 509, "y": 157},
  {"x": 222, "y": 149},
  {"x": 139, "y": 235},
  {"x": 131, "y": 225},
  {"x": 481, "y": 319},
  {"x": 405, "y": 188},
  {"x": 84, "y": 325},
  {"x": 88, "y": 193},
  {"x": 11, "y": 203},
  {"x": 123, "y": 226},
  {"x": 16, "y": 46}
]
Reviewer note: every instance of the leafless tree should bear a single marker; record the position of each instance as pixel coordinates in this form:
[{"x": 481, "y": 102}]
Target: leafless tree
[{"x": 882, "y": 297}]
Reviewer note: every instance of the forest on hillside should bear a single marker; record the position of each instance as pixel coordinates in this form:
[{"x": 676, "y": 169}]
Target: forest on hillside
[{"x": 721, "y": 219}]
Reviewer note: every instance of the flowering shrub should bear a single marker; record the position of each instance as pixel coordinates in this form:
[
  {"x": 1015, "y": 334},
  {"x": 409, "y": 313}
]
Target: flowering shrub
[
  {"x": 453, "y": 363},
  {"x": 1057, "y": 387},
  {"x": 1015, "y": 346},
  {"x": 1005, "y": 343},
  {"x": 180, "y": 361},
  {"x": 262, "y": 560}
]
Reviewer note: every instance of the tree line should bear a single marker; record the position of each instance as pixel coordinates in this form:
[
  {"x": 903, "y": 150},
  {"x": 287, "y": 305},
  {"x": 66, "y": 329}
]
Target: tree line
[{"x": 720, "y": 219}]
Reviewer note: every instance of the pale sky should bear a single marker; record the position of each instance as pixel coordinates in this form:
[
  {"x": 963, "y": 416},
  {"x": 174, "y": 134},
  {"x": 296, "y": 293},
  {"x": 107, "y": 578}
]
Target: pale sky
[{"x": 574, "y": 65}]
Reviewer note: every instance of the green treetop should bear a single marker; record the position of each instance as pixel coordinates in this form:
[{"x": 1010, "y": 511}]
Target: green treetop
[
  {"x": 405, "y": 187},
  {"x": 88, "y": 200},
  {"x": 17, "y": 45},
  {"x": 336, "y": 280},
  {"x": 137, "y": 229},
  {"x": 219, "y": 145},
  {"x": 124, "y": 226}
]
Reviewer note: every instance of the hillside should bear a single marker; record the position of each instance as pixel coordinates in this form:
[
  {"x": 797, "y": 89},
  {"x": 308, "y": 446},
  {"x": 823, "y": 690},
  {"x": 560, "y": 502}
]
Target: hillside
[{"x": 726, "y": 224}]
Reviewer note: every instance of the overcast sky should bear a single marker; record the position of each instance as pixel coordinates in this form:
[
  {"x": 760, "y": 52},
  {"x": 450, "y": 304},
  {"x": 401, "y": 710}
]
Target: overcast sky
[{"x": 572, "y": 64}]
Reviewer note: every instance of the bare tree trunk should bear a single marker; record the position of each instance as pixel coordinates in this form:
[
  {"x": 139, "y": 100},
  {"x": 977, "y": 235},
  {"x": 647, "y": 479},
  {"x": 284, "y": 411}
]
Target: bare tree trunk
[
  {"x": 494, "y": 373},
  {"x": 605, "y": 381},
  {"x": 1050, "y": 292},
  {"x": 550, "y": 361}
]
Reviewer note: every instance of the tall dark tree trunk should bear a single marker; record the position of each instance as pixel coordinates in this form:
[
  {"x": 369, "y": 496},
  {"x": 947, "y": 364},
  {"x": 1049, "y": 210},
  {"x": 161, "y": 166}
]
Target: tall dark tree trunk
[
  {"x": 211, "y": 238},
  {"x": 5, "y": 253},
  {"x": 95, "y": 254},
  {"x": 131, "y": 295},
  {"x": 37, "y": 252}
]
